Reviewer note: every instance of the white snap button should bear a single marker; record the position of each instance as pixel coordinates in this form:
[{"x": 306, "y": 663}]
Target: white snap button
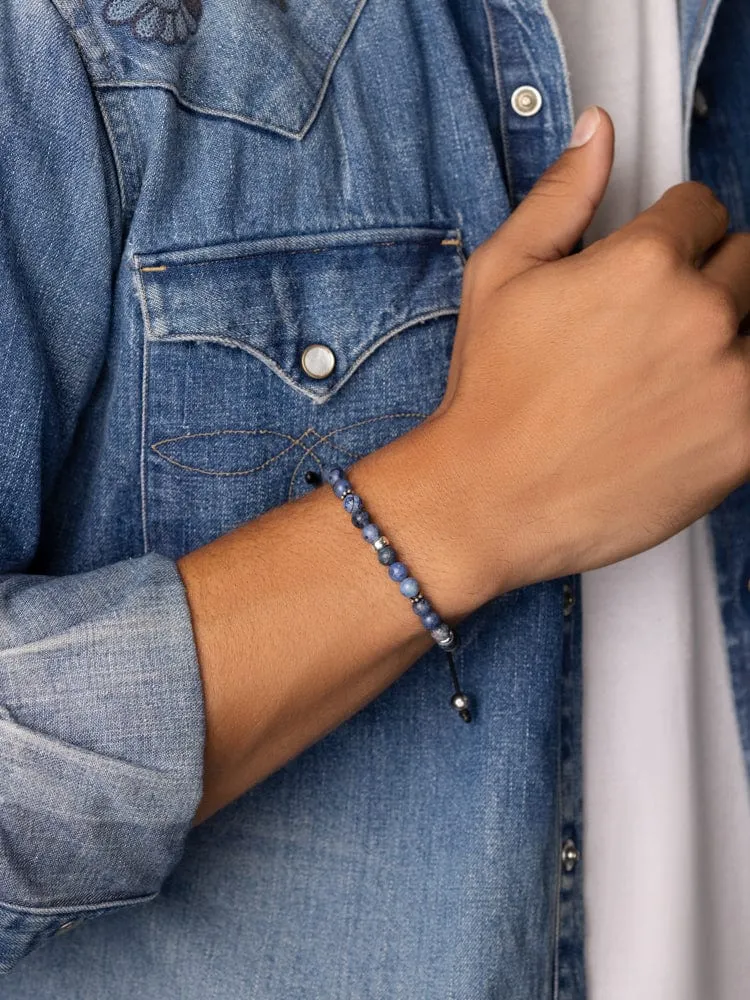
[
  {"x": 318, "y": 361},
  {"x": 526, "y": 101}
]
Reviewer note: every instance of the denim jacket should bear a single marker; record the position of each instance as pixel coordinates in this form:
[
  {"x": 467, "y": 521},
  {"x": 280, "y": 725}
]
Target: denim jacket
[{"x": 192, "y": 194}]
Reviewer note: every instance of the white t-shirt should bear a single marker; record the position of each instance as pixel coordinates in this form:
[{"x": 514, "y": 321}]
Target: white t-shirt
[{"x": 666, "y": 840}]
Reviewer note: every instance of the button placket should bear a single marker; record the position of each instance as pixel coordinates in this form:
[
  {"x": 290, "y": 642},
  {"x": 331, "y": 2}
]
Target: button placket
[{"x": 536, "y": 112}]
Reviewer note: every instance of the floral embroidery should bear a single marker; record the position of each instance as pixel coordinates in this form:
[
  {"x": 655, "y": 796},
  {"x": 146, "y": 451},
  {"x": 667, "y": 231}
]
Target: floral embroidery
[{"x": 168, "y": 21}]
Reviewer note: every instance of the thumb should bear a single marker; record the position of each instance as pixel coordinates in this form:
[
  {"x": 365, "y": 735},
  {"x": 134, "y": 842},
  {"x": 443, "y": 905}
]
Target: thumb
[{"x": 553, "y": 216}]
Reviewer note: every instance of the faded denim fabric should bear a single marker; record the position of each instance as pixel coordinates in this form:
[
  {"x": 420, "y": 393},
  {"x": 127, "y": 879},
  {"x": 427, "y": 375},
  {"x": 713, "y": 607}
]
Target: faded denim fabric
[{"x": 191, "y": 194}]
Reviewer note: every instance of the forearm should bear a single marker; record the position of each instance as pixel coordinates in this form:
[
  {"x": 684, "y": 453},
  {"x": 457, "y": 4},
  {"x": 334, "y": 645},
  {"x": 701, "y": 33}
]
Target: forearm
[
  {"x": 298, "y": 626},
  {"x": 568, "y": 439}
]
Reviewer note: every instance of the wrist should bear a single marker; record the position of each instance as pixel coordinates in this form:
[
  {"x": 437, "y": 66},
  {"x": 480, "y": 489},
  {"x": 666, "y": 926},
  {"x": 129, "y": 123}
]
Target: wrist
[
  {"x": 491, "y": 506},
  {"x": 417, "y": 494}
]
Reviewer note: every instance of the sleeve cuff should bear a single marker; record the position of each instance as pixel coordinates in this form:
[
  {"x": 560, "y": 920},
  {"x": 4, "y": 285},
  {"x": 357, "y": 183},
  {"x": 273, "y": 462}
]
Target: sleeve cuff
[{"x": 102, "y": 734}]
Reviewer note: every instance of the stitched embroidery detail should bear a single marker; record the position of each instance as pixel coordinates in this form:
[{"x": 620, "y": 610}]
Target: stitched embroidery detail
[
  {"x": 287, "y": 443},
  {"x": 167, "y": 21}
]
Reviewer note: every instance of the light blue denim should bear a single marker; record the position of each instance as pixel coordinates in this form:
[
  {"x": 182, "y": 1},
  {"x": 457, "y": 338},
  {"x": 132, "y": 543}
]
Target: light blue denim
[{"x": 191, "y": 194}]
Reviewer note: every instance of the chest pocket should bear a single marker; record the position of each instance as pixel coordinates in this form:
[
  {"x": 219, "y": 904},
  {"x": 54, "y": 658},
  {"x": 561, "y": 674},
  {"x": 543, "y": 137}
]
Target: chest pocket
[{"x": 265, "y": 359}]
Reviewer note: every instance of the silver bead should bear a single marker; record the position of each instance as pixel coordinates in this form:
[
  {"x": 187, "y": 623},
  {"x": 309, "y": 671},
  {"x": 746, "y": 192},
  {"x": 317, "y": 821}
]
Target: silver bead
[
  {"x": 445, "y": 642},
  {"x": 419, "y": 596},
  {"x": 380, "y": 543},
  {"x": 443, "y": 631}
]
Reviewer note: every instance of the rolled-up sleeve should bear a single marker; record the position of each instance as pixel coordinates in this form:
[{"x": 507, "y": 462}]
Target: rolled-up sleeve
[
  {"x": 101, "y": 707},
  {"x": 101, "y": 741}
]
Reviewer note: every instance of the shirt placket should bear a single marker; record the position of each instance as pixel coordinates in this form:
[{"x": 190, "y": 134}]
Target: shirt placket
[{"x": 536, "y": 110}]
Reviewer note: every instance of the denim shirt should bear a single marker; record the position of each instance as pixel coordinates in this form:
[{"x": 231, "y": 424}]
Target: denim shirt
[{"x": 192, "y": 194}]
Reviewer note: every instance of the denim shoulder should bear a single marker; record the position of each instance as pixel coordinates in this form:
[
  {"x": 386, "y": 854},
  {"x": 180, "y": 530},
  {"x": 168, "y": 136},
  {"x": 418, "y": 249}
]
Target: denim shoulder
[{"x": 265, "y": 63}]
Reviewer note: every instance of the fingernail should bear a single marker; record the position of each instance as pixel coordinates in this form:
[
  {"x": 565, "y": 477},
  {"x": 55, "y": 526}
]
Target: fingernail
[{"x": 585, "y": 127}]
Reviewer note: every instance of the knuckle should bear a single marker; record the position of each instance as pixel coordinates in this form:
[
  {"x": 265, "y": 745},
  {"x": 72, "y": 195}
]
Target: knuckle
[
  {"x": 654, "y": 251},
  {"x": 701, "y": 197},
  {"x": 720, "y": 310},
  {"x": 561, "y": 183},
  {"x": 558, "y": 180},
  {"x": 705, "y": 197}
]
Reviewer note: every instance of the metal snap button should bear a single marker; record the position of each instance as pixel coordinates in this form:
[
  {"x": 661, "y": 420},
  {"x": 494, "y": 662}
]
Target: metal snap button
[
  {"x": 318, "y": 361},
  {"x": 570, "y": 855},
  {"x": 526, "y": 100},
  {"x": 700, "y": 104},
  {"x": 568, "y": 599},
  {"x": 68, "y": 926}
]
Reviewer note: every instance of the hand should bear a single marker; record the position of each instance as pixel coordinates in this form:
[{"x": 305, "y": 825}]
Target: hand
[{"x": 596, "y": 403}]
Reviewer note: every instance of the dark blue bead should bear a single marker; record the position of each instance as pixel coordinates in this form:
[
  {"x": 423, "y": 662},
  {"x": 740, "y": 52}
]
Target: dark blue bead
[
  {"x": 387, "y": 555},
  {"x": 333, "y": 474},
  {"x": 409, "y": 587},
  {"x": 352, "y": 503},
  {"x": 398, "y": 572},
  {"x": 360, "y": 518},
  {"x": 422, "y": 606},
  {"x": 371, "y": 532},
  {"x": 341, "y": 486},
  {"x": 431, "y": 620}
]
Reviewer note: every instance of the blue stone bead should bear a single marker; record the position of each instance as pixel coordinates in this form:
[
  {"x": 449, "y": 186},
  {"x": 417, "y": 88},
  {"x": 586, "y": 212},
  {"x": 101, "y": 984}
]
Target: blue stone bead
[
  {"x": 352, "y": 503},
  {"x": 341, "y": 486},
  {"x": 360, "y": 518},
  {"x": 371, "y": 532},
  {"x": 333, "y": 474},
  {"x": 387, "y": 555},
  {"x": 431, "y": 620},
  {"x": 409, "y": 587},
  {"x": 398, "y": 572},
  {"x": 422, "y": 606}
]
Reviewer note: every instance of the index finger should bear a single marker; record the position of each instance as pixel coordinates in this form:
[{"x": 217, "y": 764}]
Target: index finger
[{"x": 689, "y": 215}]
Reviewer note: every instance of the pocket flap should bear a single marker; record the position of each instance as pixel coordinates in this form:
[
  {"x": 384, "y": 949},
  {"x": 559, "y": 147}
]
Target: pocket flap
[
  {"x": 262, "y": 62},
  {"x": 348, "y": 291}
]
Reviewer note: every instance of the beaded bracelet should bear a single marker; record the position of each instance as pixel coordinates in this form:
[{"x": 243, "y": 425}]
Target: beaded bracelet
[{"x": 445, "y": 636}]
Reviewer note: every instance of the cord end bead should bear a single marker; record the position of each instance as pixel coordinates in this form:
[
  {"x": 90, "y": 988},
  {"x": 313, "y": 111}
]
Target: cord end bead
[{"x": 460, "y": 702}]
